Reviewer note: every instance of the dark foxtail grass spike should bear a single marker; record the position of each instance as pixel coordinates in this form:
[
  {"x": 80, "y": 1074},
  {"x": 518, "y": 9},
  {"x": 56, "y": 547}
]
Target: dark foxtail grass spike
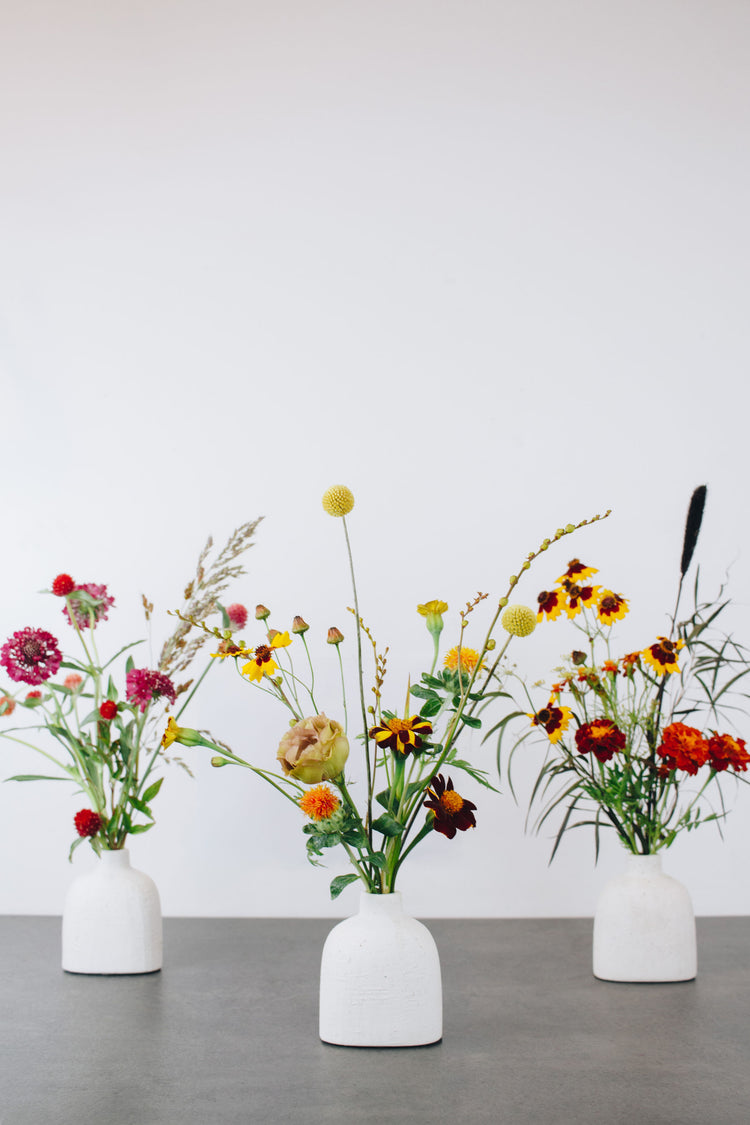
[{"x": 692, "y": 527}]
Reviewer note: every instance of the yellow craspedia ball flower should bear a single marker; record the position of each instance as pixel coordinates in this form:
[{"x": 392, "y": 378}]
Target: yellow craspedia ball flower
[
  {"x": 518, "y": 620},
  {"x": 338, "y": 500}
]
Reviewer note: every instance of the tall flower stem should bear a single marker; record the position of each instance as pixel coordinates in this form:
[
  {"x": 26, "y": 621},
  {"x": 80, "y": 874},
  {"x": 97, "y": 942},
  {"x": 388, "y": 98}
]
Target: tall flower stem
[{"x": 365, "y": 728}]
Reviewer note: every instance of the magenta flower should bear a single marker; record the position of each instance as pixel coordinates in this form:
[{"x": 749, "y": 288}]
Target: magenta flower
[
  {"x": 31, "y": 655},
  {"x": 142, "y": 686},
  {"x": 237, "y": 615},
  {"x": 87, "y": 599}
]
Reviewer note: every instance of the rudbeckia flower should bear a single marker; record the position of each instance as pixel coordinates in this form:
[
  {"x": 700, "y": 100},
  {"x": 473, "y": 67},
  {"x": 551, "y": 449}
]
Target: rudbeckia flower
[
  {"x": 577, "y": 571},
  {"x": 611, "y": 607},
  {"x": 662, "y": 656},
  {"x": 261, "y": 661},
  {"x": 554, "y": 720},
  {"x": 551, "y": 603},
  {"x": 453, "y": 813},
  {"x": 403, "y": 736}
]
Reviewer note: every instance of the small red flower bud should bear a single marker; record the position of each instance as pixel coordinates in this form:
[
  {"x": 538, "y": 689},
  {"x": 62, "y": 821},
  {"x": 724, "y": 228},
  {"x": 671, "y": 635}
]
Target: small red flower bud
[
  {"x": 108, "y": 709},
  {"x": 237, "y": 615},
  {"x": 63, "y": 585},
  {"x": 87, "y": 822}
]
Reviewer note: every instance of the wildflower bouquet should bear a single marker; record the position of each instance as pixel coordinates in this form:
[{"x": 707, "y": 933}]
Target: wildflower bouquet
[
  {"x": 107, "y": 743},
  {"x": 410, "y": 756},
  {"x": 620, "y": 733}
]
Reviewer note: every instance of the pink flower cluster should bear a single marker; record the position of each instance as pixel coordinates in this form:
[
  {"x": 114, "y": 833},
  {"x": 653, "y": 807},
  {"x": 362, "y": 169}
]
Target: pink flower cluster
[
  {"x": 237, "y": 615},
  {"x": 31, "y": 656},
  {"x": 143, "y": 685},
  {"x": 92, "y": 607}
]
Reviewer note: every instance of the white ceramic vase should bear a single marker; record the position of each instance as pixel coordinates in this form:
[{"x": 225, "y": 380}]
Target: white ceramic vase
[
  {"x": 644, "y": 926},
  {"x": 380, "y": 980},
  {"x": 112, "y": 920}
]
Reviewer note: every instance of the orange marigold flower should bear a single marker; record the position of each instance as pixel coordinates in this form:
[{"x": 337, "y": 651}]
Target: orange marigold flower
[
  {"x": 8, "y": 705},
  {"x": 576, "y": 571},
  {"x": 725, "y": 751},
  {"x": 629, "y": 663},
  {"x": 469, "y": 659},
  {"x": 683, "y": 748},
  {"x": 319, "y": 803},
  {"x": 550, "y": 603},
  {"x": 554, "y": 720},
  {"x": 611, "y": 607},
  {"x": 601, "y": 737},
  {"x": 662, "y": 656},
  {"x": 610, "y": 666}
]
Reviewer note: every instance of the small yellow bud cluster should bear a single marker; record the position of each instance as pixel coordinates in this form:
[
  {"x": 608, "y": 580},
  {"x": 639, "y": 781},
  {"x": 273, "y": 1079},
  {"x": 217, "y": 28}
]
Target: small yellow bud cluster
[{"x": 518, "y": 620}]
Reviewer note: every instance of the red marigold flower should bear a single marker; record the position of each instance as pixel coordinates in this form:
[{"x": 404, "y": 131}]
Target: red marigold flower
[
  {"x": 683, "y": 748},
  {"x": 7, "y": 705},
  {"x": 662, "y": 656},
  {"x": 404, "y": 736},
  {"x": 550, "y": 603},
  {"x": 610, "y": 666},
  {"x": 108, "y": 709},
  {"x": 629, "y": 664},
  {"x": 237, "y": 615},
  {"x": 601, "y": 737},
  {"x": 31, "y": 656},
  {"x": 725, "y": 751},
  {"x": 143, "y": 685},
  {"x": 63, "y": 585},
  {"x": 90, "y": 603},
  {"x": 87, "y": 822},
  {"x": 611, "y": 607},
  {"x": 553, "y": 719},
  {"x": 453, "y": 813},
  {"x": 576, "y": 571},
  {"x": 33, "y": 695}
]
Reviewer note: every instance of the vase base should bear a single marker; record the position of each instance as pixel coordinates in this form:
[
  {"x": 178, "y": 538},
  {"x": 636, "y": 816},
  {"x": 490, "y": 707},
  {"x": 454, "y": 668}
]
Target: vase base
[
  {"x": 111, "y": 972},
  {"x": 382, "y": 1046}
]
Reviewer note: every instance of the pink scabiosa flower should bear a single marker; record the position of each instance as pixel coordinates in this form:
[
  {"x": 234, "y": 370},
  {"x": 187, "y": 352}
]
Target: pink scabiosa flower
[
  {"x": 237, "y": 615},
  {"x": 90, "y": 603},
  {"x": 63, "y": 585},
  {"x": 31, "y": 656},
  {"x": 87, "y": 822},
  {"x": 142, "y": 686}
]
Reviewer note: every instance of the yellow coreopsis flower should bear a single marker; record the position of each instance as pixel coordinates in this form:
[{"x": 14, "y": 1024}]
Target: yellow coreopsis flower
[{"x": 262, "y": 662}]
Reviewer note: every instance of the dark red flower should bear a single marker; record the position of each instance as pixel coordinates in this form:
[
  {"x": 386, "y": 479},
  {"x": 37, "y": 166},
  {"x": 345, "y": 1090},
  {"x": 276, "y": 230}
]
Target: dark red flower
[
  {"x": 452, "y": 811},
  {"x": 108, "y": 709},
  {"x": 683, "y": 748},
  {"x": 601, "y": 737},
  {"x": 63, "y": 585},
  {"x": 725, "y": 751},
  {"x": 237, "y": 615},
  {"x": 551, "y": 603},
  {"x": 90, "y": 604},
  {"x": 143, "y": 685},
  {"x": 87, "y": 822},
  {"x": 31, "y": 655}
]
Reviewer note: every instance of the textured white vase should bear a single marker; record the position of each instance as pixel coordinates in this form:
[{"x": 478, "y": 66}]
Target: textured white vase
[
  {"x": 112, "y": 920},
  {"x": 644, "y": 926},
  {"x": 380, "y": 980}
]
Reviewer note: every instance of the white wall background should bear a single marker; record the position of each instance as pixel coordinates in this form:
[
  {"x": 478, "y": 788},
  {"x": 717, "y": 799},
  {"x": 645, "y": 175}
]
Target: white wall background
[{"x": 484, "y": 262}]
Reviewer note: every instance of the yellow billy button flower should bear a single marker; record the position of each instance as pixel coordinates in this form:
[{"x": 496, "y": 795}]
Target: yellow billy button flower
[
  {"x": 518, "y": 620},
  {"x": 338, "y": 500},
  {"x": 262, "y": 662},
  {"x": 186, "y": 736},
  {"x": 319, "y": 803},
  {"x": 433, "y": 613}
]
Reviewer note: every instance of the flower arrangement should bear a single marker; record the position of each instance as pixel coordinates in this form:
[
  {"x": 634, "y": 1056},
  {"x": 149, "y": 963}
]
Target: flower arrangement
[
  {"x": 107, "y": 741},
  {"x": 619, "y": 730},
  {"x": 410, "y": 756}
]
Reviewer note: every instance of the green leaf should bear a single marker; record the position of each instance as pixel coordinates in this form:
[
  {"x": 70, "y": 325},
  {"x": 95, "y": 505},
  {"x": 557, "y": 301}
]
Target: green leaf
[
  {"x": 432, "y": 681},
  {"x": 423, "y": 692},
  {"x": 135, "y": 828},
  {"x": 471, "y": 721},
  {"x": 431, "y": 707},
  {"x": 384, "y": 798},
  {"x": 35, "y": 777},
  {"x": 377, "y": 859},
  {"x": 340, "y": 882},
  {"x": 388, "y": 825},
  {"x": 152, "y": 790}
]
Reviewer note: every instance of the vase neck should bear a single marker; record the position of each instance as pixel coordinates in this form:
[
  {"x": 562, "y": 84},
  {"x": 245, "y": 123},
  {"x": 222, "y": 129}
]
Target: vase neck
[
  {"x": 115, "y": 859},
  {"x": 381, "y": 905},
  {"x": 643, "y": 864}
]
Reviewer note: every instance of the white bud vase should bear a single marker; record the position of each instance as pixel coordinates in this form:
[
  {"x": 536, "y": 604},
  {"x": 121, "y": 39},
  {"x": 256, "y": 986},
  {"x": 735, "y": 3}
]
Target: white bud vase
[
  {"x": 644, "y": 926},
  {"x": 380, "y": 980},
  {"x": 112, "y": 920}
]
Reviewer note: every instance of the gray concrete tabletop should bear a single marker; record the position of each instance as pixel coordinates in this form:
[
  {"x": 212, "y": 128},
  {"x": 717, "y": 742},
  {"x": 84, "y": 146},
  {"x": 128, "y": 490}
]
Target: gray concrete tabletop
[{"x": 227, "y": 1032}]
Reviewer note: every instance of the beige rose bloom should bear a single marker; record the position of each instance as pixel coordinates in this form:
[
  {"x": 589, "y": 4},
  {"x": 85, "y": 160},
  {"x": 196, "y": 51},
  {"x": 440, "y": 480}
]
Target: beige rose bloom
[{"x": 314, "y": 750}]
